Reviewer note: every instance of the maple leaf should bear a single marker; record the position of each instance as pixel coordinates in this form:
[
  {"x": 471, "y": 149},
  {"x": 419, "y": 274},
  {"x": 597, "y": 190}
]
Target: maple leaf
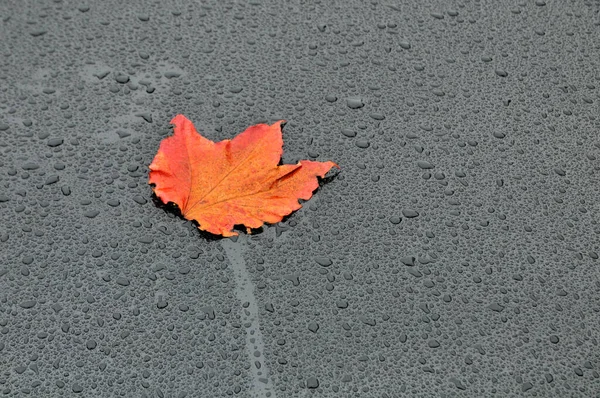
[{"x": 231, "y": 182}]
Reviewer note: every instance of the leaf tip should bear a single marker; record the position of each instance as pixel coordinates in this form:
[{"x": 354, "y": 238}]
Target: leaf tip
[{"x": 179, "y": 119}]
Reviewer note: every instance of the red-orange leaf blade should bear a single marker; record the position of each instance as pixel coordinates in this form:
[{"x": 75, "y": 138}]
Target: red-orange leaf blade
[{"x": 233, "y": 181}]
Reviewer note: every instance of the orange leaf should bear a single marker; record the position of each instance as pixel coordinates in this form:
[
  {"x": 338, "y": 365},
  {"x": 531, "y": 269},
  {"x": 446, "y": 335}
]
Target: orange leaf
[{"x": 234, "y": 181}]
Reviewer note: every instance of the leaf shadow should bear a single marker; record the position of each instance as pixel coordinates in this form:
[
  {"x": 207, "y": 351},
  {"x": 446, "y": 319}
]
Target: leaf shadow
[
  {"x": 173, "y": 209},
  {"x": 329, "y": 177}
]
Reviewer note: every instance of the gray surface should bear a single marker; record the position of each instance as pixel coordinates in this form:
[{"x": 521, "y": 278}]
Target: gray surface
[{"x": 479, "y": 118}]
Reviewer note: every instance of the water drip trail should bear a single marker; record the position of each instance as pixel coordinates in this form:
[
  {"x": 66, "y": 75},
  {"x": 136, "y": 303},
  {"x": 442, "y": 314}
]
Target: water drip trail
[{"x": 261, "y": 384}]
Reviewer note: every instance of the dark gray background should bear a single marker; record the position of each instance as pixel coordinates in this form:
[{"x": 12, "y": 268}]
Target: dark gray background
[{"x": 461, "y": 233}]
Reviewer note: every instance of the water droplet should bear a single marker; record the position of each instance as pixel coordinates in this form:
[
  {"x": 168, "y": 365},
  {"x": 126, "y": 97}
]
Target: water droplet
[{"x": 354, "y": 103}]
